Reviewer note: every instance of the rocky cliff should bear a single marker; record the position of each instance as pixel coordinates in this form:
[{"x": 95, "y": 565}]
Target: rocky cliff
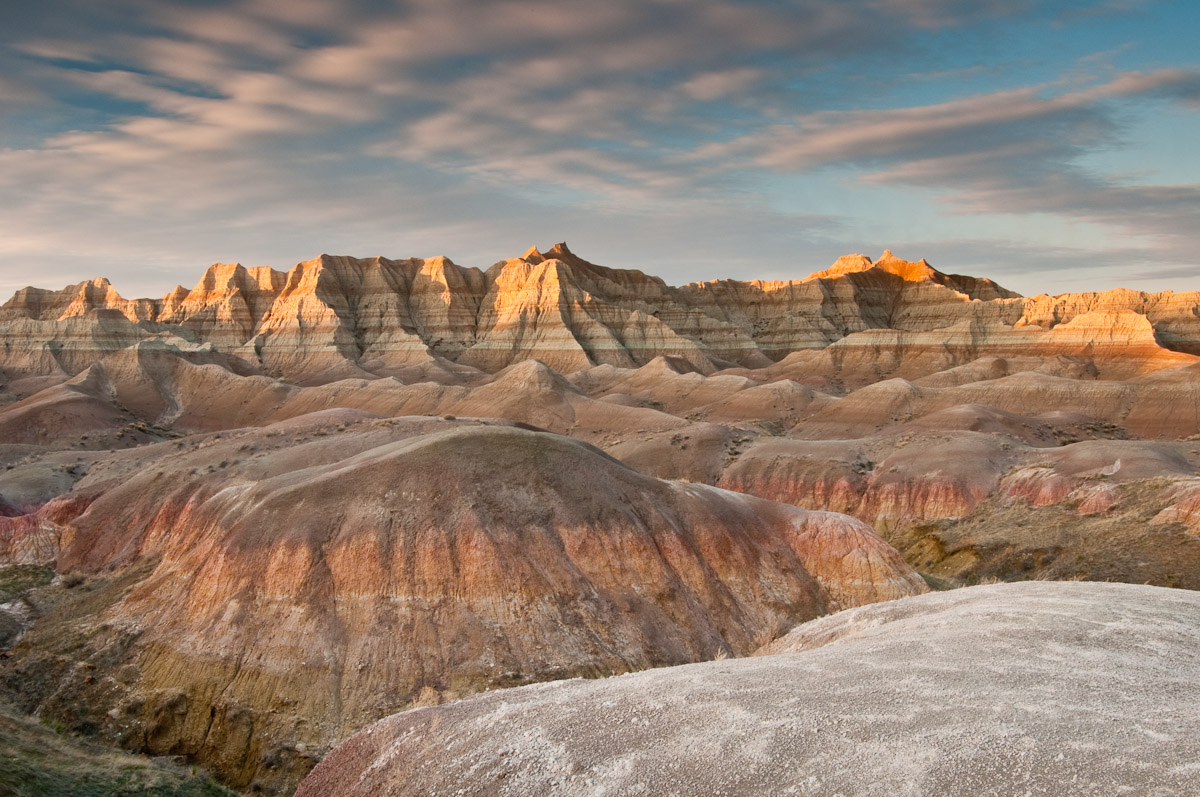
[
  {"x": 279, "y": 505},
  {"x": 340, "y": 317}
]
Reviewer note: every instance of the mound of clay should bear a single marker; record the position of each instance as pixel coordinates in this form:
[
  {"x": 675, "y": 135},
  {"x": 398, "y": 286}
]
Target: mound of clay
[
  {"x": 1040, "y": 688},
  {"x": 285, "y": 586}
]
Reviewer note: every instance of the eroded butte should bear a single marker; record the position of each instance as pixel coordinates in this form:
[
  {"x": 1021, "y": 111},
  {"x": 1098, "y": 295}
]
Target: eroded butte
[{"x": 242, "y": 521}]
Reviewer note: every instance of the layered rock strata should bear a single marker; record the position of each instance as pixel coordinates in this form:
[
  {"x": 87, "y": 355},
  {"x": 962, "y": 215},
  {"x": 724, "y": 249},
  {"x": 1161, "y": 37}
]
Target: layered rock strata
[
  {"x": 337, "y": 317},
  {"x": 283, "y": 587}
]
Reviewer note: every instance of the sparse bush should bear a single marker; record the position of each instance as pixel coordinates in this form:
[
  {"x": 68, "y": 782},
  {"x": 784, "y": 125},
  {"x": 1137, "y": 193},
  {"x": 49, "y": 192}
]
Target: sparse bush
[{"x": 72, "y": 579}]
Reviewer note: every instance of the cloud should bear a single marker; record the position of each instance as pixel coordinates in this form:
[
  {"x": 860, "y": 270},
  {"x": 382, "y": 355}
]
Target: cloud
[
  {"x": 973, "y": 125},
  {"x": 276, "y": 122},
  {"x": 1012, "y": 152},
  {"x": 715, "y": 85},
  {"x": 14, "y": 90}
]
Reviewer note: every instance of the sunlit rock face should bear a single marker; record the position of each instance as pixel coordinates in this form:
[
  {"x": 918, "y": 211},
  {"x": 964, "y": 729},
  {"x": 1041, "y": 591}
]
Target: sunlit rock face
[
  {"x": 337, "y": 317},
  {"x": 282, "y": 587}
]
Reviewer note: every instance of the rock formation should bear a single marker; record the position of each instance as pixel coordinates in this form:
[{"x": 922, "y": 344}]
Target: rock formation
[
  {"x": 341, "y": 317},
  {"x": 281, "y": 505},
  {"x": 974, "y": 691},
  {"x": 282, "y": 587}
]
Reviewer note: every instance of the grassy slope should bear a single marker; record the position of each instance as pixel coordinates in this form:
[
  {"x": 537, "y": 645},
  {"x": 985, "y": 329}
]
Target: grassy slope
[{"x": 34, "y": 760}]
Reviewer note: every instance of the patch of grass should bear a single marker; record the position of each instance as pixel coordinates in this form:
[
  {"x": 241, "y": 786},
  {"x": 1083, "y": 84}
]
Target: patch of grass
[
  {"x": 73, "y": 579},
  {"x": 17, "y": 579},
  {"x": 36, "y": 760},
  {"x": 937, "y": 584}
]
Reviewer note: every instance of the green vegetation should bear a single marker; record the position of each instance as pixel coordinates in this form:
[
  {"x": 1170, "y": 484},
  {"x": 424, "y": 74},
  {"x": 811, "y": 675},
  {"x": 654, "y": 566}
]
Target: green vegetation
[
  {"x": 937, "y": 584},
  {"x": 16, "y": 579},
  {"x": 35, "y": 761}
]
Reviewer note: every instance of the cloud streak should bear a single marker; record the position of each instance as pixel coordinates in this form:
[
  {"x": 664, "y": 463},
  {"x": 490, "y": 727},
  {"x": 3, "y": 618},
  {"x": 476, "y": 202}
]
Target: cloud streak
[{"x": 313, "y": 118}]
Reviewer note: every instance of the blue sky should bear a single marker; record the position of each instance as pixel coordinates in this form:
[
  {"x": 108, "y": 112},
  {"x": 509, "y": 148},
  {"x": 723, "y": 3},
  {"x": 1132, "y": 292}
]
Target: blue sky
[{"x": 1050, "y": 146}]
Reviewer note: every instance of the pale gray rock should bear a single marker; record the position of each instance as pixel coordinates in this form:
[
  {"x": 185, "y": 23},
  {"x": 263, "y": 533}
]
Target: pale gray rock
[{"x": 1030, "y": 688}]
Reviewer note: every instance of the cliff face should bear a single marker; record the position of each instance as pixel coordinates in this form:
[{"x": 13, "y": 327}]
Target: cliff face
[
  {"x": 294, "y": 502},
  {"x": 341, "y": 317}
]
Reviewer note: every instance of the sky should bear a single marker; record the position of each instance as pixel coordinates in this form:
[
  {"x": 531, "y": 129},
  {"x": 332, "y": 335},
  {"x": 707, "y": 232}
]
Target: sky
[{"x": 1050, "y": 146}]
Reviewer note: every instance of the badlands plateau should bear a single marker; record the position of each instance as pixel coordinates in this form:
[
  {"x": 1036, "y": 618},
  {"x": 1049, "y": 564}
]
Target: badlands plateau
[{"x": 243, "y": 522}]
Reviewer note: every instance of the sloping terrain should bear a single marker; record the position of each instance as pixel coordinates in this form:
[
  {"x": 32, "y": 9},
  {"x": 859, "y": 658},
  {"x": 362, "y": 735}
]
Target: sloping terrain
[
  {"x": 922, "y": 403},
  {"x": 251, "y": 597},
  {"x": 1033, "y": 688},
  {"x": 37, "y": 761}
]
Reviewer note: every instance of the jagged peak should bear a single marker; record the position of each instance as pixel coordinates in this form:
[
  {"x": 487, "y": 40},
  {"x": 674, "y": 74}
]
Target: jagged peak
[
  {"x": 217, "y": 276},
  {"x": 533, "y": 373},
  {"x": 855, "y": 262},
  {"x": 571, "y": 266},
  {"x": 560, "y": 251},
  {"x": 671, "y": 364},
  {"x": 908, "y": 270},
  {"x": 534, "y": 261},
  {"x": 334, "y": 262},
  {"x": 175, "y": 294},
  {"x": 98, "y": 289},
  {"x": 887, "y": 262}
]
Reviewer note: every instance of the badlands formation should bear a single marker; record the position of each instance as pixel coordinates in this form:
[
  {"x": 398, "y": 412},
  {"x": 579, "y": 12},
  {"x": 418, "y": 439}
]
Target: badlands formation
[
  {"x": 973, "y": 691},
  {"x": 242, "y": 522}
]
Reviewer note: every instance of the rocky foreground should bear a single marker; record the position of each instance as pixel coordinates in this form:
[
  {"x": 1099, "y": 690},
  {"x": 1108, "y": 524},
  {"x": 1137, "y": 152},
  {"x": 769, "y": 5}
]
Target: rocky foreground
[
  {"x": 1037, "y": 688},
  {"x": 249, "y": 599}
]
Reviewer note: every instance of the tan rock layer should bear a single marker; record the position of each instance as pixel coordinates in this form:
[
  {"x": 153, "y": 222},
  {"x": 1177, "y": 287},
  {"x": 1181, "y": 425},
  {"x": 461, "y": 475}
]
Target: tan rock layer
[{"x": 338, "y": 317}]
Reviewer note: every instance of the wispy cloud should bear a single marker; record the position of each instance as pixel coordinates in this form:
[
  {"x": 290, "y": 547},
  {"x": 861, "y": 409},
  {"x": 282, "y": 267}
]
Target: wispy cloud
[
  {"x": 1014, "y": 152},
  {"x": 315, "y": 120}
]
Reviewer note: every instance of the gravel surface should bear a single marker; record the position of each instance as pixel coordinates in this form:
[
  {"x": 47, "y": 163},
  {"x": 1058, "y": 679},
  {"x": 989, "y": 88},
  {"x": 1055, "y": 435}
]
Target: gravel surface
[{"x": 1009, "y": 689}]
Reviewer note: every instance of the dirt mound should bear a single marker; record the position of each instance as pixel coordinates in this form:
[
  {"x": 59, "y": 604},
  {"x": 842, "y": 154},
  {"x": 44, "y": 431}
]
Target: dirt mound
[
  {"x": 284, "y": 586},
  {"x": 1007, "y": 689}
]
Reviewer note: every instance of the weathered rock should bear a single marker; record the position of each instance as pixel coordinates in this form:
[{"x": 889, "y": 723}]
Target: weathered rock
[
  {"x": 294, "y": 583},
  {"x": 340, "y": 317},
  {"x": 1008, "y": 689}
]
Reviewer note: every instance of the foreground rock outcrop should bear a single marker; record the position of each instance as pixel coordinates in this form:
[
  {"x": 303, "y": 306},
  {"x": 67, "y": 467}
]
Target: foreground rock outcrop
[
  {"x": 271, "y": 591},
  {"x": 1033, "y": 688}
]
